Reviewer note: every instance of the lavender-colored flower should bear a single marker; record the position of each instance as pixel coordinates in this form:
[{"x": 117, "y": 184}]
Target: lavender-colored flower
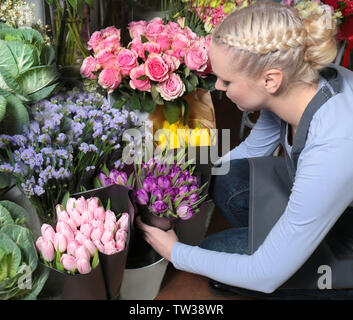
[
  {"x": 105, "y": 181},
  {"x": 118, "y": 177},
  {"x": 141, "y": 197},
  {"x": 184, "y": 212},
  {"x": 84, "y": 147},
  {"x": 163, "y": 182},
  {"x": 149, "y": 184},
  {"x": 159, "y": 207}
]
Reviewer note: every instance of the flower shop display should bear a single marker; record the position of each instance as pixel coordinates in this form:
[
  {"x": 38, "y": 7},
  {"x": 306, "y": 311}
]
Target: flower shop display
[
  {"x": 162, "y": 64},
  {"x": 20, "y": 277},
  {"x": 27, "y": 74},
  {"x": 84, "y": 232},
  {"x": 71, "y": 137}
]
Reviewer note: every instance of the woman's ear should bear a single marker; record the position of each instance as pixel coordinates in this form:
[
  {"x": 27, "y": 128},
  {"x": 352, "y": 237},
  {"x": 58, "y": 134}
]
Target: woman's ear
[{"x": 272, "y": 80}]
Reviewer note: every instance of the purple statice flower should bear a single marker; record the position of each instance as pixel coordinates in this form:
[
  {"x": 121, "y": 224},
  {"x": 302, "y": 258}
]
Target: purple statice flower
[
  {"x": 159, "y": 207},
  {"x": 19, "y": 140},
  {"x": 46, "y": 174},
  {"x": 6, "y": 167},
  {"x": 61, "y": 153},
  {"x": 90, "y": 168},
  {"x": 38, "y": 190},
  {"x": 84, "y": 147},
  {"x": 61, "y": 138}
]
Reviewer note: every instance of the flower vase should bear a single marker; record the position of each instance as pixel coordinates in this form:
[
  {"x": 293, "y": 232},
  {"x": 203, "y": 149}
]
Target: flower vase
[
  {"x": 63, "y": 286},
  {"x": 113, "y": 266}
]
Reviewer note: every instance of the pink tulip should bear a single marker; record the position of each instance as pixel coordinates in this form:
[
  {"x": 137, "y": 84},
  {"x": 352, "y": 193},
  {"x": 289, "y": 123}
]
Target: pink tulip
[
  {"x": 107, "y": 236},
  {"x": 109, "y": 247},
  {"x": 120, "y": 245},
  {"x": 48, "y": 232},
  {"x": 121, "y": 234},
  {"x": 61, "y": 213},
  {"x": 96, "y": 234},
  {"x": 83, "y": 266},
  {"x": 99, "y": 245},
  {"x": 70, "y": 205},
  {"x": 69, "y": 262},
  {"x": 39, "y": 243},
  {"x": 47, "y": 250},
  {"x": 72, "y": 247},
  {"x": 123, "y": 221},
  {"x": 64, "y": 228},
  {"x": 60, "y": 243},
  {"x": 88, "y": 244},
  {"x": 98, "y": 224},
  {"x": 76, "y": 216},
  {"x": 99, "y": 213},
  {"x": 86, "y": 229},
  {"x": 87, "y": 217},
  {"x": 72, "y": 224},
  {"x": 82, "y": 253},
  {"x": 110, "y": 215},
  {"x": 110, "y": 225},
  {"x": 81, "y": 204},
  {"x": 80, "y": 237},
  {"x": 92, "y": 204}
]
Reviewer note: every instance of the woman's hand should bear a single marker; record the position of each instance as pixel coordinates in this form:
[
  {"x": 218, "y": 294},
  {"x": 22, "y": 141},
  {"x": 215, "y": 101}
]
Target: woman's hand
[{"x": 161, "y": 241}]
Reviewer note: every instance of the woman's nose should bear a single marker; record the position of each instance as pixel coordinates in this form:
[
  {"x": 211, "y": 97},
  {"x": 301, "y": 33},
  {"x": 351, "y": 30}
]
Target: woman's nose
[{"x": 219, "y": 86}]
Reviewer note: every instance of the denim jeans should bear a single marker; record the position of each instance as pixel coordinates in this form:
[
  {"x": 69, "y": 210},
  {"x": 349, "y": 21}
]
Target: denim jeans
[{"x": 230, "y": 193}]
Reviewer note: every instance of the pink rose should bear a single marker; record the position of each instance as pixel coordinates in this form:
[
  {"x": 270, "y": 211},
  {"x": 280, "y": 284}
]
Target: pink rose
[
  {"x": 89, "y": 65},
  {"x": 156, "y": 69},
  {"x": 164, "y": 41},
  {"x": 153, "y": 29},
  {"x": 180, "y": 41},
  {"x": 109, "y": 79},
  {"x": 171, "y": 88},
  {"x": 137, "y": 28},
  {"x": 60, "y": 243},
  {"x": 173, "y": 28},
  {"x": 135, "y": 83},
  {"x": 48, "y": 232},
  {"x": 110, "y": 31},
  {"x": 137, "y": 46},
  {"x": 150, "y": 47},
  {"x": 95, "y": 42},
  {"x": 172, "y": 62},
  {"x": 157, "y": 20},
  {"x": 106, "y": 59},
  {"x": 196, "y": 57},
  {"x": 190, "y": 34},
  {"x": 127, "y": 60},
  {"x": 83, "y": 266},
  {"x": 68, "y": 262}
]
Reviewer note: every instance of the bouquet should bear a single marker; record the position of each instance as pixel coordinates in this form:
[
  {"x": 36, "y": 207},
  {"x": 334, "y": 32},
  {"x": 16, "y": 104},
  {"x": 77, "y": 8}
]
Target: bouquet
[
  {"x": 161, "y": 64},
  {"x": 84, "y": 228},
  {"x": 71, "y": 136}
]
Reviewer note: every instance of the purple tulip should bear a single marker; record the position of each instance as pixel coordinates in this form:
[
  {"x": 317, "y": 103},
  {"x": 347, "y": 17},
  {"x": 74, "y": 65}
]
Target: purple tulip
[
  {"x": 118, "y": 177},
  {"x": 149, "y": 184},
  {"x": 159, "y": 207},
  {"x": 183, "y": 189},
  {"x": 193, "y": 198},
  {"x": 184, "y": 212},
  {"x": 170, "y": 191},
  {"x": 157, "y": 192},
  {"x": 173, "y": 171},
  {"x": 163, "y": 182},
  {"x": 106, "y": 181},
  {"x": 141, "y": 197}
]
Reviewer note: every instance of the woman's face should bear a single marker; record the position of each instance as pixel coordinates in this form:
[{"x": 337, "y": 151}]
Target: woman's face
[{"x": 246, "y": 93}]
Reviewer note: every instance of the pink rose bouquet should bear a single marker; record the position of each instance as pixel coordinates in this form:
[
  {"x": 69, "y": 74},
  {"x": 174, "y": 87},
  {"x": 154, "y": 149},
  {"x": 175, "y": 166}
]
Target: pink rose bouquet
[
  {"x": 162, "y": 63},
  {"x": 83, "y": 229}
]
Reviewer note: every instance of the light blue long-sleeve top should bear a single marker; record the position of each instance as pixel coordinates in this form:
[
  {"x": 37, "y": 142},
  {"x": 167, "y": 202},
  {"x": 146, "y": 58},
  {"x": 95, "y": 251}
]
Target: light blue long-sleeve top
[{"x": 322, "y": 190}]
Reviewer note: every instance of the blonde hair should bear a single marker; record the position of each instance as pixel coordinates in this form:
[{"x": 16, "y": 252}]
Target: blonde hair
[{"x": 270, "y": 35}]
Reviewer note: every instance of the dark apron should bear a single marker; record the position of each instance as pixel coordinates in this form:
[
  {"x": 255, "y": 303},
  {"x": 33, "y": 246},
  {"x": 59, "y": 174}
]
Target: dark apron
[{"x": 271, "y": 180}]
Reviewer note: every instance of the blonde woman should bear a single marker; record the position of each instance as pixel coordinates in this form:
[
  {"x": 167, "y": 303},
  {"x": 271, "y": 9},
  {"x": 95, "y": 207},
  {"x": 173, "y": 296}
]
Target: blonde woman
[{"x": 269, "y": 59}]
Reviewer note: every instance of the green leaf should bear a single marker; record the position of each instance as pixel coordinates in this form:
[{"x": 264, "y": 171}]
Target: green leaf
[
  {"x": 171, "y": 111},
  {"x": 5, "y": 180},
  {"x": 143, "y": 39},
  {"x": 5, "y": 217},
  {"x": 47, "y": 55},
  {"x": 7, "y": 60},
  {"x": 65, "y": 198},
  {"x": 43, "y": 93},
  {"x": 37, "y": 78},
  {"x": 3, "y": 103},
  {"x": 148, "y": 104},
  {"x": 58, "y": 264},
  {"x": 12, "y": 258},
  {"x": 24, "y": 55},
  {"x": 16, "y": 116},
  {"x": 18, "y": 214},
  {"x": 108, "y": 205},
  {"x": 95, "y": 260},
  {"x": 186, "y": 113},
  {"x": 89, "y": 2},
  {"x": 8, "y": 83},
  {"x": 120, "y": 101},
  {"x": 194, "y": 80},
  {"x": 155, "y": 95},
  {"x": 50, "y": 2},
  {"x": 73, "y": 4},
  {"x": 30, "y": 35},
  {"x": 135, "y": 103}
]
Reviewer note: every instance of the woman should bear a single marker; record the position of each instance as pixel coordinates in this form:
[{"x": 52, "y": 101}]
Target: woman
[{"x": 268, "y": 58}]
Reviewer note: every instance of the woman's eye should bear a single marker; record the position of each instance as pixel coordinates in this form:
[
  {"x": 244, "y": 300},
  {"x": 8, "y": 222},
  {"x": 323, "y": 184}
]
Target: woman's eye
[{"x": 226, "y": 83}]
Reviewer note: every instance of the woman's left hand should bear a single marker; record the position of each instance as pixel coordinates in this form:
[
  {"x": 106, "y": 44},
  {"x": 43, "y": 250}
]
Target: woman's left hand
[{"x": 161, "y": 241}]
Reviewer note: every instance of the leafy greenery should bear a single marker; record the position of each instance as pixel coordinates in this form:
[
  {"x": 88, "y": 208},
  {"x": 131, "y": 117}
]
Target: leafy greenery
[
  {"x": 18, "y": 255},
  {"x": 27, "y": 75}
]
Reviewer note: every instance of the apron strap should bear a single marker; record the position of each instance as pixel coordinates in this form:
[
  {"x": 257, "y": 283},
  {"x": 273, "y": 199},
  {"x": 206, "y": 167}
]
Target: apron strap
[{"x": 331, "y": 88}]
